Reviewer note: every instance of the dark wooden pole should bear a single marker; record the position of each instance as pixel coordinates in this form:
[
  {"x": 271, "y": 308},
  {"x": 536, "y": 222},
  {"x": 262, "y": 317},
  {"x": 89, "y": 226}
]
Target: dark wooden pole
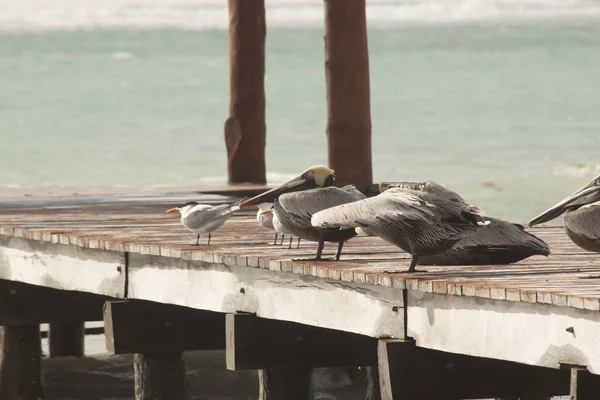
[
  {"x": 66, "y": 339},
  {"x": 245, "y": 129},
  {"x": 159, "y": 376},
  {"x": 286, "y": 384},
  {"x": 348, "y": 93},
  {"x": 20, "y": 362}
]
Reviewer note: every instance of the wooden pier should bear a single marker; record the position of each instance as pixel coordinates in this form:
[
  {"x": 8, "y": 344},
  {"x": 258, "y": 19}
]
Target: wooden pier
[{"x": 528, "y": 329}]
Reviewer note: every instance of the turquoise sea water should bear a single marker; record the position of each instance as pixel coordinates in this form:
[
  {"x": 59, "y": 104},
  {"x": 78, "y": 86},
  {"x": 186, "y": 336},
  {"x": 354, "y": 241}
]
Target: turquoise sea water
[{"x": 497, "y": 99}]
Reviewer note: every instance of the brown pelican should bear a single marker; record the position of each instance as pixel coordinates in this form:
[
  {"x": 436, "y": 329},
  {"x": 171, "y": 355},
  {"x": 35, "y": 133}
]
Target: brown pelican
[
  {"x": 499, "y": 242},
  {"x": 201, "y": 218},
  {"x": 581, "y": 210},
  {"x": 298, "y": 199},
  {"x": 422, "y": 218}
]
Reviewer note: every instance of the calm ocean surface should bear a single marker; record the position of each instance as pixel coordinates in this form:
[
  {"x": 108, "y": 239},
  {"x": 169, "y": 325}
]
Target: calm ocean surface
[{"x": 499, "y": 99}]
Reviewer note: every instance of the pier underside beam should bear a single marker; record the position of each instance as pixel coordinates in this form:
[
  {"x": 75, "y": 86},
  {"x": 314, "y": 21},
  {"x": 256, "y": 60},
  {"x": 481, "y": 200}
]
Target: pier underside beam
[
  {"x": 286, "y": 353},
  {"x": 23, "y": 304},
  {"x": 348, "y": 91},
  {"x": 259, "y": 343},
  {"x": 146, "y": 327},
  {"x": 20, "y": 362},
  {"x": 409, "y": 372},
  {"x": 245, "y": 129}
]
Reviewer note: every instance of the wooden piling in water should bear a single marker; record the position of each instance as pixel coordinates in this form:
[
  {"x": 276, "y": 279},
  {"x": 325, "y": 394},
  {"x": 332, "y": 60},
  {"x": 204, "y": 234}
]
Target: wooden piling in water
[
  {"x": 159, "y": 376},
  {"x": 348, "y": 91},
  {"x": 286, "y": 384},
  {"x": 245, "y": 129},
  {"x": 20, "y": 362},
  {"x": 66, "y": 339}
]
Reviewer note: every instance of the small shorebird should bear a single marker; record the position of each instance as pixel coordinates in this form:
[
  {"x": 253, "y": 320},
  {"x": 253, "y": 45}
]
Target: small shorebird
[
  {"x": 582, "y": 213},
  {"x": 422, "y": 218},
  {"x": 264, "y": 217},
  {"x": 201, "y": 218},
  {"x": 276, "y": 225},
  {"x": 298, "y": 199}
]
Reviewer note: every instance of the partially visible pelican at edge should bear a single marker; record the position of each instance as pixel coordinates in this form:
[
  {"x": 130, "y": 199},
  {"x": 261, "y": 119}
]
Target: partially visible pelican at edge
[
  {"x": 422, "y": 218},
  {"x": 297, "y": 200},
  {"x": 581, "y": 216}
]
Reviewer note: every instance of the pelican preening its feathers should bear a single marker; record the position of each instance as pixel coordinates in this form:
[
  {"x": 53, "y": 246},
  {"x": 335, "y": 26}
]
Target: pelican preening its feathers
[
  {"x": 581, "y": 214},
  {"x": 422, "y": 218},
  {"x": 298, "y": 199}
]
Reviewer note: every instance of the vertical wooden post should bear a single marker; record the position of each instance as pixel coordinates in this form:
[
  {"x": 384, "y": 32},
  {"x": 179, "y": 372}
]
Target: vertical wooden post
[
  {"x": 159, "y": 376},
  {"x": 348, "y": 92},
  {"x": 286, "y": 384},
  {"x": 66, "y": 339},
  {"x": 245, "y": 129},
  {"x": 20, "y": 362},
  {"x": 584, "y": 386},
  {"x": 373, "y": 391}
]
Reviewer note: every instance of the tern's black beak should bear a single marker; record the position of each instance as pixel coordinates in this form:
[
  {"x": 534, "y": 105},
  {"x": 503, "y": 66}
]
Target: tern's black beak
[{"x": 294, "y": 185}]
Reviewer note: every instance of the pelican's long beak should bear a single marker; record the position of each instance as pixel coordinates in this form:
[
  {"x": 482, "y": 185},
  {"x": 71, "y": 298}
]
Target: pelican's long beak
[
  {"x": 586, "y": 195},
  {"x": 172, "y": 210},
  {"x": 269, "y": 211},
  {"x": 269, "y": 196}
]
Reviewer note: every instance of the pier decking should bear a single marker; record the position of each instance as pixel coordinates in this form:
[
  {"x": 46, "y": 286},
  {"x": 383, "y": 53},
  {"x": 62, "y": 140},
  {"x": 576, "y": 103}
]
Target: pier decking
[{"x": 540, "y": 312}]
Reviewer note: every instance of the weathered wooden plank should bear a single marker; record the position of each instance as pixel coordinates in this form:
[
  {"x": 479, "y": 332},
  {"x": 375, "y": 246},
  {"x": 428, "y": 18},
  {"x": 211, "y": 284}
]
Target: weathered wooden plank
[
  {"x": 145, "y": 327},
  {"x": 60, "y": 266},
  {"x": 258, "y": 343}
]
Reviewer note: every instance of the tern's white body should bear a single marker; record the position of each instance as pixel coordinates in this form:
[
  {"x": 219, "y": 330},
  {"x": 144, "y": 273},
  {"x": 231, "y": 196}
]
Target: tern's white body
[
  {"x": 202, "y": 218},
  {"x": 265, "y": 220}
]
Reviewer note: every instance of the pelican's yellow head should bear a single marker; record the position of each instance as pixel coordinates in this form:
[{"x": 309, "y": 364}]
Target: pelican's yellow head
[
  {"x": 314, "y": 177},
  {"x": 320, "y": 174}
]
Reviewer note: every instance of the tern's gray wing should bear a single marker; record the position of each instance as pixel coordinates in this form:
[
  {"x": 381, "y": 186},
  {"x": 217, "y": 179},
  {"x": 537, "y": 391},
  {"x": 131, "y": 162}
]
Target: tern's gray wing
[
  {"x": 588, "y": 194},
  {"x": 199, "y": 216}
]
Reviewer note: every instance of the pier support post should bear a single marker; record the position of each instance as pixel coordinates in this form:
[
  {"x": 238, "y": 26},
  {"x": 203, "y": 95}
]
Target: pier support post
[
  {"x": 20, "y": 362},
  {"x": 286, "y": 384},
  {"x": 66, "y": 339},
  {"x": 583, "y": 386},
  {"x": 159, "y": 376},
  {"x": 245, "y": 129},
  {"x": 348, "y": 91}
]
